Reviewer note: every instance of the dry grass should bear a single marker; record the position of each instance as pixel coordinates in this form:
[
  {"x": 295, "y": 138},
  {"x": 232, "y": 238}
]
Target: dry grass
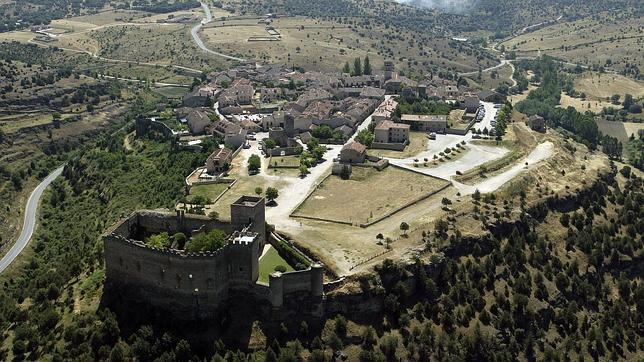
[
  {"x": 583, "y": 105},
  {"x": 589, "y": 40},
  {"x": 304, "y": 42},
  {"x": 368, "y": 194},
  {"x": 598, "y": 86}
]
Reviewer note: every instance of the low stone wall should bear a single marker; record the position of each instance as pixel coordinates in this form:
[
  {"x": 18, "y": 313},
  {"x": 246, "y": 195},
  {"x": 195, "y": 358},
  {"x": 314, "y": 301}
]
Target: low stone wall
[
  {"x": 460, "y": 132},
  {"x": 322, "y": 219},
  {"x": 288, "y": 250},
  {"x": 389, "y": 146},
  {"x": 379, "y": 219},
  {"x": 288, "y": 151}
]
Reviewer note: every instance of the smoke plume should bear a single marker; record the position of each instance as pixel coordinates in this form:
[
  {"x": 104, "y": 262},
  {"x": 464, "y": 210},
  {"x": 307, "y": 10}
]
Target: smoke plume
[{"x": 454, "y": 6}]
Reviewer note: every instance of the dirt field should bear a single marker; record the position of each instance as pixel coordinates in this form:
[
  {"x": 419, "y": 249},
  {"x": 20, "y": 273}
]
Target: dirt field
[{"x": 369, "y": 194}]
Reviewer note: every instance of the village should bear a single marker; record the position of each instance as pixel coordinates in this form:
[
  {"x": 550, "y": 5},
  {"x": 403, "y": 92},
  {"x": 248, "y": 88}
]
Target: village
[{"x": 314, "y": 143}]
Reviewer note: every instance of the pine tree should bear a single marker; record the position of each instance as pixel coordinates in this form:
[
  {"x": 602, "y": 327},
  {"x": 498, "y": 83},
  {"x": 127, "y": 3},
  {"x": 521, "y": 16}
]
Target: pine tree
[
  {"x": 347, "y": 68},
  {"x": 357, "y": 67},
  {"x": 366, "y": 69}
]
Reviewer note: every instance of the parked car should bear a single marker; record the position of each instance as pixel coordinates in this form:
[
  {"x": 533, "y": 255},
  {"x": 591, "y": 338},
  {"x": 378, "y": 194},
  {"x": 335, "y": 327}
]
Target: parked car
[
  {"x": 498, "y": 105},
  {"x": 432, "y": 136}
]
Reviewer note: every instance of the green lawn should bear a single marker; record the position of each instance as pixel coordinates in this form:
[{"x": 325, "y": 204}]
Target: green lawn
[
  {"x": 210, "y": 191},
  {"x": 268, "y": 263}
]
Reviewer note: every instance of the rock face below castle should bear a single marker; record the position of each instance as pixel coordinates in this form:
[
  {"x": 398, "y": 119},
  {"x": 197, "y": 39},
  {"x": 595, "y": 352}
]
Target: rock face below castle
[{"x": 192, "y": 286}]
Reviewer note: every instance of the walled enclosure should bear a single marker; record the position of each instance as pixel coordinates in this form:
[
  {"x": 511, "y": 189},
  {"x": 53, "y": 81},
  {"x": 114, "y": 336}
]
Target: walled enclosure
[{"x": 192, "y": 286}]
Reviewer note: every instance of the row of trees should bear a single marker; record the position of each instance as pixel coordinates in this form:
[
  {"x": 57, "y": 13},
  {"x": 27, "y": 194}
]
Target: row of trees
[{"x": 359, "y": 68}]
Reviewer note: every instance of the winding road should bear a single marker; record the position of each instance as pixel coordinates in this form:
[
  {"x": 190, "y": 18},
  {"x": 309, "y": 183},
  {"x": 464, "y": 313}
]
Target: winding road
[
  {"x": 195, "y": 35},
  {"x": 29, "y": 223}
]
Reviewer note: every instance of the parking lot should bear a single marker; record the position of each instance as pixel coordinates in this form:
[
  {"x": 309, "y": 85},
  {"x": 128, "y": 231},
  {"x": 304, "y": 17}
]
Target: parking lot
[{"x": 490, "y": 112}]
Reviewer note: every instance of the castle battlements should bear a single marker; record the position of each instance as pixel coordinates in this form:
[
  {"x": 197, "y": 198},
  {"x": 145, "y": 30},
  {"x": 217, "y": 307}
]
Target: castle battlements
[{"x": 196, "y": 283}]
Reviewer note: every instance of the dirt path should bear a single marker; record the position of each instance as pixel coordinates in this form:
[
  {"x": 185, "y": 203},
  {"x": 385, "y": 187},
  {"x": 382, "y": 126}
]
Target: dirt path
[
  {"x": 540, "y": 153},
  {"x": 195, "y": 35}
]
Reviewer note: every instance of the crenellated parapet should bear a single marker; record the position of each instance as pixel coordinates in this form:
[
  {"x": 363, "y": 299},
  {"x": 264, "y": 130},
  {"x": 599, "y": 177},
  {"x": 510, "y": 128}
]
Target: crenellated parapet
[{"x": 195, "y": 284}]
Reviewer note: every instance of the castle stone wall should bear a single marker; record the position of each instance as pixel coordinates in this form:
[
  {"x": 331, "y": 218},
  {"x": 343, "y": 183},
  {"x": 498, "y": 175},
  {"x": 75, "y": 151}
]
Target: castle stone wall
[{"x": 194, "y": 285}]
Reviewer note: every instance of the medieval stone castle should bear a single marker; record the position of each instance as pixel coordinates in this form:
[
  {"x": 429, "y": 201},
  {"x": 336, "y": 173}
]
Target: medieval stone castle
[{"x": 192, "y": 286}]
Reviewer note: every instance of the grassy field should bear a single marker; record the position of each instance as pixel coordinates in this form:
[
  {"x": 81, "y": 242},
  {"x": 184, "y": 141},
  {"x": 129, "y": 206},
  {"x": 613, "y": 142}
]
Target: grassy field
[
  {"x": 305, "y": 42},
  {"x": 285, "y": 161},
  {"x": 211, "y": 191},
  {"x": 491, "y": 80},
  {"x": 268, "y": 262},
  {"x": 620, "y": 130},
  {"x": 368, "y": 194},
  {"x": 417, "y": 144},
  {"x": 172, "y": 92}
]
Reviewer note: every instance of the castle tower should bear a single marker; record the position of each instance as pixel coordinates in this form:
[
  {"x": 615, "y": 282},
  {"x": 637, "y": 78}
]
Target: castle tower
[
  {"x": 289, "y": 124},
  {"x": 276, "y": 285},
  {"x": 389, "y": 69},
  {"x": 317, "y": 280},
  {"x": 250, "y": 211}
]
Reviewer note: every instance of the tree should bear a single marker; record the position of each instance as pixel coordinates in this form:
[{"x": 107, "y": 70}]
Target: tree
[
  {"x": 271, "y": 194},
  {"x": 615, "y": 99},
  {"x": 366, "y": 69},
  {"x": 380, "y": 237},
  {"x": 347, "y": 68},
  {"x": 182, "y": 351},
  {"x": 303, "y": 170},
  {"x": 365, "y": 137},
  {"x": 254, "y": 164},
  {"x": 628, "y": 101},
  {"x": 612, "y": 147},
  {"x": 476, "y": 195},
  {"x": 258, "y": 191},
  {"x": 270, "y": 143},
  {"x": 404, "y": 227},
  {"x": 357, "y": 67}
]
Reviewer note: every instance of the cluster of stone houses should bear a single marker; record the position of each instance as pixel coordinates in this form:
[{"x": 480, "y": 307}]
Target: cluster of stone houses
[{"x": 290, "y": 104}]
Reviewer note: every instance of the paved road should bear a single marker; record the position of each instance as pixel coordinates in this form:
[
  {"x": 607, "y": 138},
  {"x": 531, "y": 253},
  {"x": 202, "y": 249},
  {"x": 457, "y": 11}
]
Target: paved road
[
  {"x": 29, "y": 223},
  {"x": 195, "y": 35}
]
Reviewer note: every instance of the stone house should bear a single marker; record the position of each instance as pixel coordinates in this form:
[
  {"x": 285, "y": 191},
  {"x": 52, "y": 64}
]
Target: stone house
[
  {"x": 353, "y": 152},
  {"x": 233, "y": 134},
  {"x": 201, "y": 97},
  {"x": 219, "y": 161},
  {"x": 269, "y": 95},
  {"x": 390, "y": 132},
  {"x": 537, "y": 123},
  {"x": 197, "y": 121},
  {"x": 385, "y": 111},
  {"x": 426, "y": 123},
  {"x": 469, "y": 102},
  {"x": 236, "y": 95}
]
